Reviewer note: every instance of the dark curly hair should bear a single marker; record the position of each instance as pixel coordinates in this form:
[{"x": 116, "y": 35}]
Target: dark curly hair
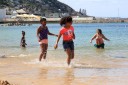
[
  {"x": 43, "y": 19},
  {"x": 23, "y": 33},
  {"x": 65, "y": 20},
  {"x": 99, "y": 30}
]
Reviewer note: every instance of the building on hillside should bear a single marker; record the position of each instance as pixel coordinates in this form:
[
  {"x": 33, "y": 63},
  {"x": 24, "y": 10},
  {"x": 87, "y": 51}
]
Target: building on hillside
[
  {"x": 55, "y": 15},
  {"x": 65, "y": 14},
  {"x": 21, "y": 11},
  {"x": 5, "y": 13},
  {"x": 84, "y": 18},
  {"x": 21, "y": 15},
  {"x": 17, "y": 15},
  {"x": 52, "y": 15},
  {"x": 27, "y": 17}
]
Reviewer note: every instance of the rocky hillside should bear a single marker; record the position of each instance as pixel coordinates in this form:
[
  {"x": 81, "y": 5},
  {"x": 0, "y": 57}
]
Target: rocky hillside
[{"x": 37, "y": 6}]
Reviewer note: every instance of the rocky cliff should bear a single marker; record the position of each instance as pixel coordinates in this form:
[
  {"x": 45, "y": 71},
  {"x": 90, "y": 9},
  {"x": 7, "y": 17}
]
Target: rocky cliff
[{"x": 38, "y": 6}]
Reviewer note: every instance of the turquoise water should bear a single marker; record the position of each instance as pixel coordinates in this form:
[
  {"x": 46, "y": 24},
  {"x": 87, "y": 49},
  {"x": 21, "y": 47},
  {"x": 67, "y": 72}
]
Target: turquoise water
[{"x": 117, "y": 48}]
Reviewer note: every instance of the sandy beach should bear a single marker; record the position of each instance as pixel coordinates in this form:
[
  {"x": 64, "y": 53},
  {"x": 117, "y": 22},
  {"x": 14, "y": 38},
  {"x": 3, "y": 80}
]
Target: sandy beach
[{"x": 16, "y": 71}]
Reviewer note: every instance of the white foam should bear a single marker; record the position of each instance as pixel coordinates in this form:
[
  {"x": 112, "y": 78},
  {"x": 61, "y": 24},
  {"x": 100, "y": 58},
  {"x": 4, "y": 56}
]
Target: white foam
[
  {"x": 58, "y": 64},
  {"x": 12, "y": 56},
  {"x": 55, "y": 64},
  {"x": 23, "y": 55},
  {"x": 32, "y": 62},
  {"x": 46, "y": 63}
]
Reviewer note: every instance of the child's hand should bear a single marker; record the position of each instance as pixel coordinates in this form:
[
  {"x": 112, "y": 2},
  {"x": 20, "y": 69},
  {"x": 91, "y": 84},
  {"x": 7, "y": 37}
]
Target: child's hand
[
  {"x": 56, "y": 46},
  {"x": 56, "y": 35}
]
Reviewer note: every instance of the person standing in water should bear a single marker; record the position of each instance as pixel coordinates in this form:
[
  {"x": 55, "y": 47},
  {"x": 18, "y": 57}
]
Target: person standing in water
[
  {"x": 42, "y": 35},
  {"x": 99, "y": 36},
  {"x": 67, "y": 31},
  {"x": 23, "y": 41}
]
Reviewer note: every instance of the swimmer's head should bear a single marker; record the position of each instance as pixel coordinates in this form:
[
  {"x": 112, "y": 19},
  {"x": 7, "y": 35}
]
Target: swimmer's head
[
  {"x": 99, "y": 31},
  {"x": 43, "y": 21},
  {"x": 23, "y": 33}
]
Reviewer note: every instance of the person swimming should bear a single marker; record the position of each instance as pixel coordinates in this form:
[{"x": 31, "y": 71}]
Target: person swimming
[
  {"x": 42, "y": 35},
  {"x": 23, "y": 41},
  {"x": 99, "y": 36}
]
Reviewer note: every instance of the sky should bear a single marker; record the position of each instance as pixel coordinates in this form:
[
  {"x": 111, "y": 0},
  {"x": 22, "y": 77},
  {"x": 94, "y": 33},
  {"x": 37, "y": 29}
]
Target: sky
[{"x": 101, "y": 8}]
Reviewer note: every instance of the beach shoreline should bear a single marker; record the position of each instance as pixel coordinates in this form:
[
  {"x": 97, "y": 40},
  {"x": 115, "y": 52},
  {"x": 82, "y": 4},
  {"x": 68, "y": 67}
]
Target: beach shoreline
[{"x": 75, "y": 20}]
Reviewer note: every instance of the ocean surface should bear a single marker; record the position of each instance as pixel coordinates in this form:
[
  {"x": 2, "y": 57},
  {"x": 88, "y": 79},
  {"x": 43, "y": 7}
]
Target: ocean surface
[
  {"x": 10, "y": 37},
  {"x": 91, "y": 66}
]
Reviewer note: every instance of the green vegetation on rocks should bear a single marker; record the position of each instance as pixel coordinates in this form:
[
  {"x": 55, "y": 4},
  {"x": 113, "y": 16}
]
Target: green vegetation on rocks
[{"x": 37, "y": 6}]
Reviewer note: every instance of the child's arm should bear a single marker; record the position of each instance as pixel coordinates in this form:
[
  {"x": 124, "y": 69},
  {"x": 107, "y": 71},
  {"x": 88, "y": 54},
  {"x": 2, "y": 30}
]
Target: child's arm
[
  {"x": 56, "y": 45},
  {"x": 105, "y": 38},
  {"x": 74, "y": 36},
  {"x": 21, "y": 41},
  {"x": 38, "y": 34},
  {"x": 93, "y": 38},
  {"x": 52, "y": 34},
  {"x": 49, "y": 33}
]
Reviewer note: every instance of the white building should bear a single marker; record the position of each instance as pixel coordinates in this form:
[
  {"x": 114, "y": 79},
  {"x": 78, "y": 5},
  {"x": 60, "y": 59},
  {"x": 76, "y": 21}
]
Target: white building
[
  {"x": 64, "y": 14},
  {"x": 4, "y": 14},
  {"x": 17, "y": 15},
  {"x": 21, "y": 11},
  {"x": 83, "y": 18},
  {"x": 54, "y": 15}
]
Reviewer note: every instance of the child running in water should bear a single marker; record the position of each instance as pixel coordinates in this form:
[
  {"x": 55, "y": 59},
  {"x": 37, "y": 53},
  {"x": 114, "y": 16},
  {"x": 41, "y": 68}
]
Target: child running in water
[
  {"x": 42, "y": 35},
  {"x": 23, "y": 41},
  {"x": 67, "y": 31},
  {"x": 99, "y": 36}
]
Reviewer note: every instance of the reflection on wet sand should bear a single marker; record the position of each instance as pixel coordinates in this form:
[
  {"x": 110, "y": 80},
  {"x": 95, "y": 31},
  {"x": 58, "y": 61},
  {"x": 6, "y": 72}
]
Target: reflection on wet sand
[
  {"x": 43, "y": 73},
  {"x": 69, "y": 77}
]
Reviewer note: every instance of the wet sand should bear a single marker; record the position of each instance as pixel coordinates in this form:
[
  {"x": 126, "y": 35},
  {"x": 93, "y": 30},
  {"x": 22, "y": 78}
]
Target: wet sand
[{"x": 92, "y": 72}]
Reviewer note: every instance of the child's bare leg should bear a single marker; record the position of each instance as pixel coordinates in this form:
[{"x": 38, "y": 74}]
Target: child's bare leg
[
  {"x": 42, "y": 46},
  {"x": 72, "y": 54},
  {"x": 68, "y": 51},
  {"x": 45, "y": 51}
]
